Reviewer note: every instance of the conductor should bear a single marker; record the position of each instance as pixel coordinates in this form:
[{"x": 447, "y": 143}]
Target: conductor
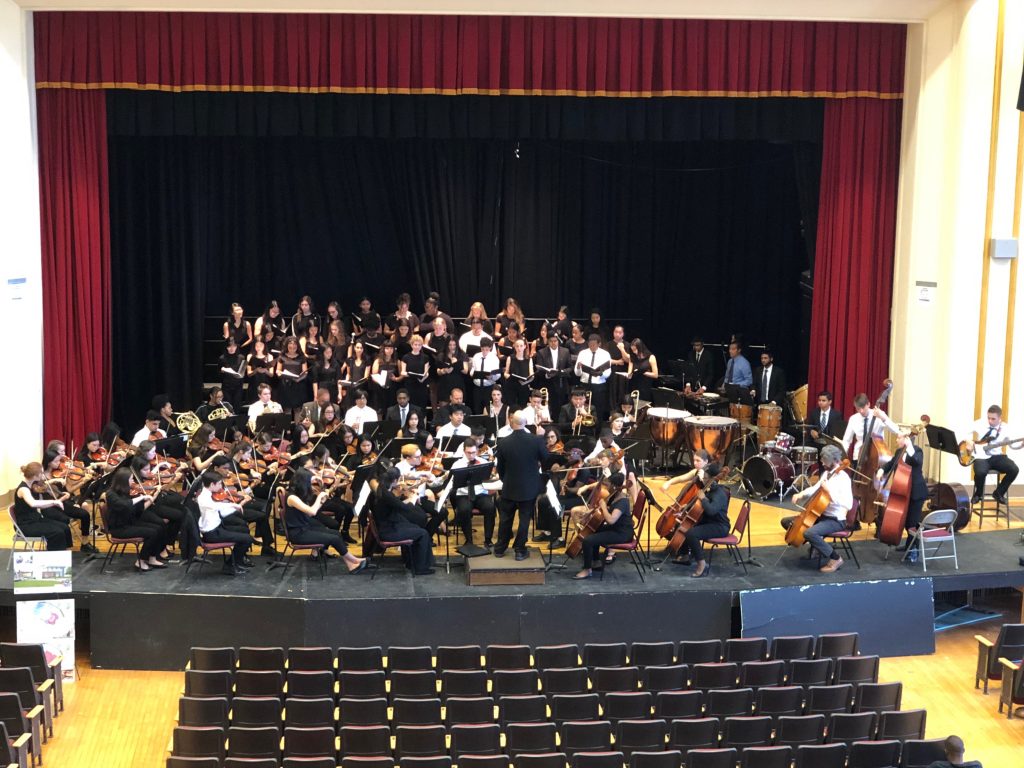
[{"x": 519, "y": 459}]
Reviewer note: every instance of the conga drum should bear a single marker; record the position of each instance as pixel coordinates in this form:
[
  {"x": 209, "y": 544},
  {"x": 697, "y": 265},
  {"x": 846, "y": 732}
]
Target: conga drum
[
  {"x": 741, "y": 413},
  {"x": 769, "y": 420},
  {"x": 713, "y": 434},
  {"x": 667, "y": 426}
]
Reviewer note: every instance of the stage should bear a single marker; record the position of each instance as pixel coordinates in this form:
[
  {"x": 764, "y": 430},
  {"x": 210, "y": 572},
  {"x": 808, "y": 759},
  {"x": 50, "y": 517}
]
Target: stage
[{"x": 149, "y": 621}]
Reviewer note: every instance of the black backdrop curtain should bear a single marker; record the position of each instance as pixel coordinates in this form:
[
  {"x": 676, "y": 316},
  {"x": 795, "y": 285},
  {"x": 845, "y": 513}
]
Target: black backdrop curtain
[{"x": 688, "y": 213}]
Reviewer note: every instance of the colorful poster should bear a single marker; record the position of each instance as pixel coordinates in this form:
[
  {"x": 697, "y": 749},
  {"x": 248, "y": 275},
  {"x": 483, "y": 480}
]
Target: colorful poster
[{"x": 52, "y": 624}]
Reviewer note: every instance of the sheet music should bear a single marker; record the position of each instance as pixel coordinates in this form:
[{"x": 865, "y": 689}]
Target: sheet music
[
  {"x": 552, "y": 495},
  {"x": 444, "y": 495},
  {"x": 364, "y": 494},
  {"x": 381, "y": 378}
]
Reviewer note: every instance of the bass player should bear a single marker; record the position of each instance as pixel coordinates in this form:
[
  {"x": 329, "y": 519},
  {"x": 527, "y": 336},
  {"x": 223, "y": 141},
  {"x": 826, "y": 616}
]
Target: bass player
[{"x": 991, "y": 429}]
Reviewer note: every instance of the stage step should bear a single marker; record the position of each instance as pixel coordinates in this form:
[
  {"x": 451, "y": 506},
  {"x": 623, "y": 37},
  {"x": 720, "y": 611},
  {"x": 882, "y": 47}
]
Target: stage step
[{"x": 488, "y": 569}]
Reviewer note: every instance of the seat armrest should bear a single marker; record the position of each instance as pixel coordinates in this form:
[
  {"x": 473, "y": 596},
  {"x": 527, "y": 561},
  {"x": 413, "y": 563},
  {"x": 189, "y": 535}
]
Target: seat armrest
[
  {"x": 35, "y": 712},
  {"x": 1008, "y": 664},
  {"x": 45, "y": 686},
  {"x": 55, "y": 662},
  {"x": 984, "y": 641},
  {"x": 22, "y": 740},
  {"x": 985, "y": 648}
]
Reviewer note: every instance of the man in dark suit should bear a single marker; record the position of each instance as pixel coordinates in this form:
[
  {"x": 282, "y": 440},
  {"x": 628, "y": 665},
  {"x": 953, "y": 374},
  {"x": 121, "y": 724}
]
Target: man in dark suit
[
  {"x": 769, "y": 382},
  {"x": 312, "y": 411},
  {"x": 400, "y": 412},
  {"x": 553, "y": 365},
  {"x": 826, "y": 420},
  {"x": 519, "y": 458},
  {"x": 701, "y": 364},
  {"x": 914, "y": 458}
]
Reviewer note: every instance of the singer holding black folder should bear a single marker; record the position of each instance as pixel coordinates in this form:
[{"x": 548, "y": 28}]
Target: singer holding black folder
[{"x": 593, "y": 366}]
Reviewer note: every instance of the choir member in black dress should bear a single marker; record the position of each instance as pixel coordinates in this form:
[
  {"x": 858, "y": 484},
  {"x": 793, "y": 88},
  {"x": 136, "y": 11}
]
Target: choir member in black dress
[
  {"x": 356, "y": 370},
  {"x": 451, "y": 366},
  {"x": 310, "y": 343},
  {"x": 125, "y": 509},
  {"x": 645, "y": 369},
  {"x": 366, "y": 318},
  {"x": 479, "y": 311},
  {"x": 577, "y": 343},
  {"x": 402, "y": 338},
  {"x": 431, "y": 313},
  {"x": 616, "y": 526},
  {"x": 238, "y": 328},
  {"x": 622, "y": 366},
  {"x": 292, "y": 370},
  {"x": 337, "y": 339},
  {"x": 327, "y": 373},
  {"x": 31, "y": 500},
  {"x": 596, "y": 325},
  {"x": 333, "y": 316},
  {"x": 304, "y": 315},
  {"x": 399, "y": 519},
  {"x": 259, "y": 367},
  {"x": 232, "y": 374},
  {"x": 518, "y": 374},
  {"x": 415, "y": 368},
  {"x": 271, "y": 321},
  {"x": 302, "y": 506},
  {"x": 387, "y": 368},
  {"x": 512, "y": 313}
]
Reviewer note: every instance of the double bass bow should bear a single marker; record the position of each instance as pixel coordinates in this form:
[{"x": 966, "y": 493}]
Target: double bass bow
[{"x": 868, "y": 459}]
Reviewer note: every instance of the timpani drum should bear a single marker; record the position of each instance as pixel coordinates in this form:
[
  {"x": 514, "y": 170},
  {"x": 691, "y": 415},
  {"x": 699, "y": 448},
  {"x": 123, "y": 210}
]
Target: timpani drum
[
  {"x": 714, "y": 434},
  {"x": 768, "y": 473},
  {"x": 769, "y": 420},
  {"x": 667, "y": 426}
]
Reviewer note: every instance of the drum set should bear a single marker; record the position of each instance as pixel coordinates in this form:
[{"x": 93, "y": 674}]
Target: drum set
[{"x": 781, "y": 466}]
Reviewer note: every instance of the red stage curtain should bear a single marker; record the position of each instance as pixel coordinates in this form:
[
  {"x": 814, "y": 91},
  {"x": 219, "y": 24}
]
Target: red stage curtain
[
  {"x": 855, "y": 249},
  {"x": 468, "y": 54},
  {"x": 75, "y": 262}
]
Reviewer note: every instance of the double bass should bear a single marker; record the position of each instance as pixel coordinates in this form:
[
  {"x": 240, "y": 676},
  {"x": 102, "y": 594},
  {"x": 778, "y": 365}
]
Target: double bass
[
  {"x": 814, "y": 507},
  {"x": 897, "y": 497},
  {"x": 871, "y": 450}
]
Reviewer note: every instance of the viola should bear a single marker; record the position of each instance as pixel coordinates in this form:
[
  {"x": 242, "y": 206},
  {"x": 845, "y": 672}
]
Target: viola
[{"x": 155, "y": 435}]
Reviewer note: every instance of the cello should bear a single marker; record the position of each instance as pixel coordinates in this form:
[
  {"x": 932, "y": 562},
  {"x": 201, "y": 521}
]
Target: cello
[
  {"x": 686, "y": 511},
  {"x": 894, "y": 514},
  {"x": 592, "y": 519},
  {"x": 864, "y": 487},
  {"x": 814, "y": 507}
]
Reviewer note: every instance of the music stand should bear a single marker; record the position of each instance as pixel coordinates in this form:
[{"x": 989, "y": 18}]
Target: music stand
[
  {"x": 735, "y": 393},
  {"x": 480, "y": 421},
  {"x": 469, "y": 477},
  {"x": 944, "y": 441},
  {"x": 172, "y": 447},
  {"x": 381, "y": 428},
  {"x": 393, "y": 450},
  {"x": 275, "y": 423},
  {"x": 221, "y": 427}
]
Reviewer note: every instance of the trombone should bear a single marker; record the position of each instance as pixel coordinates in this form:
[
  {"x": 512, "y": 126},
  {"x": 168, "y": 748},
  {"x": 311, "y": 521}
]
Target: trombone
[{"x": 585, "y": 419}]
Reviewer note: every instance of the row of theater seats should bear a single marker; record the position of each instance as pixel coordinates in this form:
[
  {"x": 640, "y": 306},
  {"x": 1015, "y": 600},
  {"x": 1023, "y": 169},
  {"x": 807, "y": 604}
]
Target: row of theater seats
[
  {"x": 1003, "y": 660},
  {"x": 493, "y": 657},
  {"x": 31, "y": 696}
]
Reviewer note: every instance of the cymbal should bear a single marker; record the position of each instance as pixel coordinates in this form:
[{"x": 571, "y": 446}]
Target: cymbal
[{"x": 804, "y": 426}]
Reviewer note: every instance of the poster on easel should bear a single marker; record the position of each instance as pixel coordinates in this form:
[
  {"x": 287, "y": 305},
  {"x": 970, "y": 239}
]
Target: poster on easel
[{"x": 47, "y": 621}]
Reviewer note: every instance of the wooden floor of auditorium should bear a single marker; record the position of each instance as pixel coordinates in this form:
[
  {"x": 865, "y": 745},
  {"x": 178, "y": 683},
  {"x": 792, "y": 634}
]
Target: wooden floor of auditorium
[
  {"x": 124, "y": 719},
  {"x": 119, "y": 718}
]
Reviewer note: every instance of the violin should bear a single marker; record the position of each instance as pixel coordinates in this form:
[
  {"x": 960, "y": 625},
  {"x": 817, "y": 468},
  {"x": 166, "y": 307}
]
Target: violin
[
  {"x": 229, "y": 495},
  {"x": 369, "y": 459},
  {"x": 99, "y": 456},
  {"x": 62, "y": 468}
]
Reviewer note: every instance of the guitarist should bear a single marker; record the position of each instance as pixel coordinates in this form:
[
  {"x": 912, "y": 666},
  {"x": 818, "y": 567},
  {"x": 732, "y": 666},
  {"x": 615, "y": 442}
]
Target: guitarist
[
  {"x": 991, "y": 429},
  {"x": 833, "y": 519},
  {"x": 914, "y": 458}
]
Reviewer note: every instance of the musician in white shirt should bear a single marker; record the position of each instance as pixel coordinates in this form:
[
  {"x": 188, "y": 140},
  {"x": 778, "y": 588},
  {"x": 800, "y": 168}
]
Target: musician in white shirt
[
  {"x": 535, "y": 414},
  {"x": 262, "y": 405},
  {"x": 991, "y": 429},
  {"x": 859, "y": 424},
  {"x": 150, "y": 430},
  {"x": 464, "y": 502},
  {"x": 223, "y": 521},
  {"x": 360, "y": 413},
  {"x": 595, "y": 357},
  {"x": 833, "y": 519},
  {"x": 456, "y": 414}
]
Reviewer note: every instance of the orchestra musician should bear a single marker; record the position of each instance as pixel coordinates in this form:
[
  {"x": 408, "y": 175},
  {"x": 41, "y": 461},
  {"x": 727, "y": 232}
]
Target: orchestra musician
[
  {"x": 713, "y": 524},
  {"x": 468, "y": 498},
  {"x": 857, "y": 427},
  {"x": 456, "y": 397},
  {"x": 914, "y": 458},
  {"x": 221, "y": 521},
  {"x": 455, "y": 426},
  {"x": 553, "y": 364},
  {"x": 616, "y": 526},
  {"x": 412, "y": 428},
  {"x": 397, "y": 518},
  {"x": 264, "y": 404},
  {"x": 737, "y": 370},
  {"x": 328, "y": 422},
  {"x": 203, "y": 447},
  {"x": 312, "y": 412},
  {"x": 304, "y": 527},
  {"x": 150, "y": 430},
  {"x": 166, "y": 508},
  {"x": 162, "y": 404},
  {"x": 127, "y": 505},
  {"x": 840, "y": 490},
  {"x": 31, "y": 500},
  {"x": 360, "y": 414},
  {"x": 989, "y": 430},
  {"x": 520, "y": 457},
  {"x": 826, "y": 419},
  {"x": 598, "y": 361},
  {"x": 214, "y": 402},
  {"x": 769, "y": 383},
  {"x": 68, "y": 510},
  {"x": 536, "y": 413},
  {"x": 574, "y": 411},
  {"x": 411, "y": 470}
]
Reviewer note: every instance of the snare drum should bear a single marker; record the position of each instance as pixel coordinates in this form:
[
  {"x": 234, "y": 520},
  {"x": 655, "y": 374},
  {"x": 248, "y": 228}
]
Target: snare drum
[
  {"x": 767, "y": 474},
  {"x": 713, "y": 434},
  {"x": 784, "y": 442},
  {"x": 667, "y": 426},
  {"x": 769, "y": 419},
  {"x": 804, "y": 455}
]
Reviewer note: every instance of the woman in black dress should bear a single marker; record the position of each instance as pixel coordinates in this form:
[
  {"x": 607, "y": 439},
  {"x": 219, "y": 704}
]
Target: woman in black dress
[
  {"x": 304, "y": 315},
  {"x": 327, "y": 373},
  {"x": 645, "y": 369},
  {"x": 301, "y": 507},
  {"x": 616, "y": 524},
  {"x": 413, "y": 428},
  {"x": 396, "y": 520},
  {"x": 311, "y": 344},
  {"x": 357, "y": 367},
  {"x": 232, "y": 374},
  {"x": 414, "y": 371},
  {"x": 512, "y": 313},
  {"x": 451, "y": 365},
  {"x": 576, "y": 344},
  {"x": 203, "y": 448},
  {"x": 259, "y": 367},
  {"x": 125, "y": 508},
  {"x": 518, "y": 374},
  {"x": 402, "y": 338},
  {"x": 271, "y": 321},
  {"x": 497, "y": 411},
  {"x": 238, "y": 328},
  {"x": 337, "y": 339},
  {"x": 383, "y": 396},
  {"x": 291, "y": 372},
  {"x": 31, "y": 500},
  {"x": 477, "y": 310}
]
